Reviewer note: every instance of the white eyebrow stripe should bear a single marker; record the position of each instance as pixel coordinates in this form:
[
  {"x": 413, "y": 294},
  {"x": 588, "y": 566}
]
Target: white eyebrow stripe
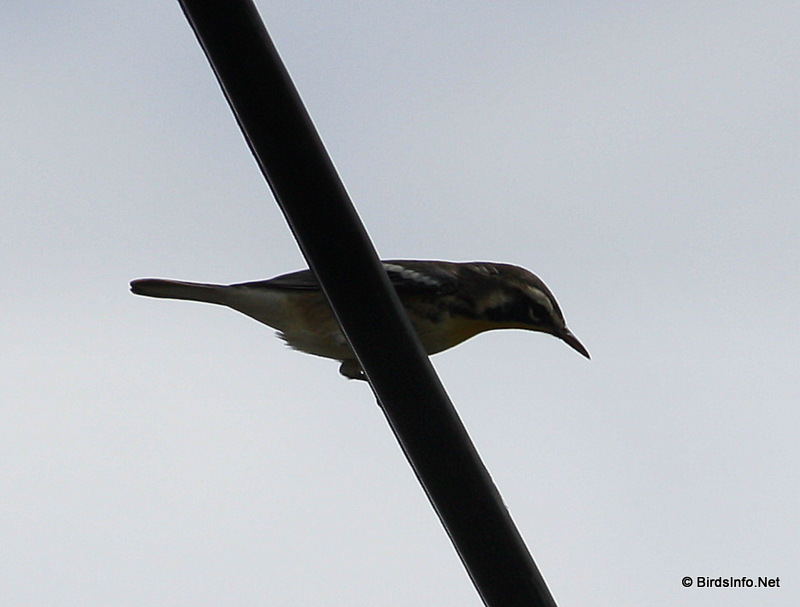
[
  {"x": 409, "y": 274},
  {"x": 540, "y": 298}
]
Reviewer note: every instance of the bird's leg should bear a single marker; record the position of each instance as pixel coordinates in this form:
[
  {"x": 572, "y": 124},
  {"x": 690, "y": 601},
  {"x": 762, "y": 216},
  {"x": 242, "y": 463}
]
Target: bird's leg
[{"x": 352, "y": 370}]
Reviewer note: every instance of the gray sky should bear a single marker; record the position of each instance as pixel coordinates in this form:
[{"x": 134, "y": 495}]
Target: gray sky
[{"x": 643, "y": 160}]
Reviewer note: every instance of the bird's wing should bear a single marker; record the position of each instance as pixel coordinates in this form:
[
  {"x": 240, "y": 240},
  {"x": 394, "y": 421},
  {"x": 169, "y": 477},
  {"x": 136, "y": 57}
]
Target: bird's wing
[
  {"x": 304, "y": 280},
  {"x": 422, "y": 276},
  {"x": 406, "y": 277}
]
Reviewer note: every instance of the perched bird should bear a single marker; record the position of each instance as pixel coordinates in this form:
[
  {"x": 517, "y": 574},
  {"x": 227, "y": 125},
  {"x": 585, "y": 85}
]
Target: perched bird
[{"x": 447, "y": 303}]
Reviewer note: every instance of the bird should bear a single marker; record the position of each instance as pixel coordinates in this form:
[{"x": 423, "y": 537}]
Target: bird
[{"x": 448, "y": 302}]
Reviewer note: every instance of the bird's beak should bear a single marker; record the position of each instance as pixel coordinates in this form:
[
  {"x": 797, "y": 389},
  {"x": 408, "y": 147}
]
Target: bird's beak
[{"x": 573, "y": 342}]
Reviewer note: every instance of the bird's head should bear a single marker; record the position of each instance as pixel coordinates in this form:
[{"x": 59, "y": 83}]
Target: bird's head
[{"x": 519, "y": 299}]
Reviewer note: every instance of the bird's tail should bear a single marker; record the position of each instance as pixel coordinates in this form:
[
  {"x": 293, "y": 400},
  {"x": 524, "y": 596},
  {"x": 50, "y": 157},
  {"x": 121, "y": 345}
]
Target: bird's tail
[{"x": 176, "y": 289}]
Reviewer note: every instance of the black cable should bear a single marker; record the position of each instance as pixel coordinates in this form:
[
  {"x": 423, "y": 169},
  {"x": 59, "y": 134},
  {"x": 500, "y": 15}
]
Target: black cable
[{"x": 330, "y": 234}]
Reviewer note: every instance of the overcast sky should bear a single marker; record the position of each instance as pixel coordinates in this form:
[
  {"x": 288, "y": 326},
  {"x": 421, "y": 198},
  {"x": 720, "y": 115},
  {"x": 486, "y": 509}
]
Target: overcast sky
[{"x": 643, "y": 160}]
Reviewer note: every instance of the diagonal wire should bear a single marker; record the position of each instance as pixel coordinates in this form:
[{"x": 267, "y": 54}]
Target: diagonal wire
[{"x": 333, "y": 239}]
